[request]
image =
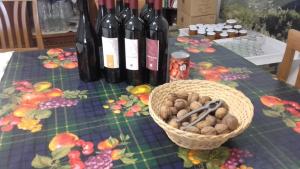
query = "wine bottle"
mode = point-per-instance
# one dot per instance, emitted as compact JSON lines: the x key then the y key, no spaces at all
{"x":123,"y":17}
{"x":135,"y":47}
{"x":102,"y":11}
{"x":119,"y":7}
{"x":87,"y":46}
{"x":144,"y":9}
{"x":157,"y":47}
{"x":113,"y":58}
{"x":149,"y":13}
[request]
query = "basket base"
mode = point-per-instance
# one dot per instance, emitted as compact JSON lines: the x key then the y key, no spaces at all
{"x":201,"y":145}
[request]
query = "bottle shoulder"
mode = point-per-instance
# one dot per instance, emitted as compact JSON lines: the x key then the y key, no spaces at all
{"x":110,"y":21}
{"x":149,"y":13}
{"x":159,"y":23}
{"x":135,"y":21}
{"x":124,"y":13}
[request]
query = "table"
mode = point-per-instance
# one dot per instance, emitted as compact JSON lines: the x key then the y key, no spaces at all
{"x":258,"y":49}
{"x":261,"y":50}
{"x":5,"y":57}
{"x":52,"y":105}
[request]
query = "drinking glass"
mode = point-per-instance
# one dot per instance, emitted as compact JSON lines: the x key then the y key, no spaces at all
{"x":44,"y":11}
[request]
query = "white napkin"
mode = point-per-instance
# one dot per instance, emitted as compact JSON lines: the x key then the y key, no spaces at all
{"x":4,"y":57}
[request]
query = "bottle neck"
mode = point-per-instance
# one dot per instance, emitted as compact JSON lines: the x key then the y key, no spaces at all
{"x":101,"y":6}
{"x":111,"y":11}
{"x":102,"y":11}
{"x":84,"y":12}
{"x":151,"y":5}
{"x":83,"y":8}
{"x":119,"y":3}
{"x":134,"y":12}
{"x":157,"y":12}
{"x":126,"y":5}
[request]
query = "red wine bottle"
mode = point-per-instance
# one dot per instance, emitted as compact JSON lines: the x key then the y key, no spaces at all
{"x":119,"y":6}
{"x":157,"y":47}
{"x":135,"y":47}
{"x":113,"y":59}
{"x":144,"y":9}
{"x":123,"y":17}
{"x":102,"y":11}
{"x":149,"y":13}
{"x":87,"y":46}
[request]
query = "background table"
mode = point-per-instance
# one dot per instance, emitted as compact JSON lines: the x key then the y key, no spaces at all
{"x":5,"y":57}
{"x":269,"y":142}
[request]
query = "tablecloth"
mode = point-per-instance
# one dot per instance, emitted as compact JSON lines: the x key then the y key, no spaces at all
{"x":46,"y":111}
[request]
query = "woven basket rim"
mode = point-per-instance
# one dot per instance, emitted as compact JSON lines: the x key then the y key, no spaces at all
{"x":195,"y":136}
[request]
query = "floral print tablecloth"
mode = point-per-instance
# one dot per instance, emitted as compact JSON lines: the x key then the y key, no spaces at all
{"x":50,"y":119}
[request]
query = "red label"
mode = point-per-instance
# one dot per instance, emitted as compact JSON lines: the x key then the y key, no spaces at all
{"x":152,"y":54}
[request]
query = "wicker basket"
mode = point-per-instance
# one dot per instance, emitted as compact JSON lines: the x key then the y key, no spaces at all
{"x":239,"y":106}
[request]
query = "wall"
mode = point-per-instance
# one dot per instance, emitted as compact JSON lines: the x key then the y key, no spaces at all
{"x":272,"y":17}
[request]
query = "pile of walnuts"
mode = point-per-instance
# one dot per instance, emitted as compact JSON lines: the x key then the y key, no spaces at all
{"x":179,"y":104}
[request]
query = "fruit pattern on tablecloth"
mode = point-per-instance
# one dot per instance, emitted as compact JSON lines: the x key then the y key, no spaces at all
{"x":133,"y":104}
{"x":222,"y":74}
{"x":25,"y":104}
{"x":195,"y":45}
{"x":288,"y":111}
{"x":69,"y":151}
{"x":220,"y":158}
{"x":57,"y":57}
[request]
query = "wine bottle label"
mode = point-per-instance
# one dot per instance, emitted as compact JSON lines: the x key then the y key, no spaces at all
{"x":152,"y":53}
{"x":110,"y":52}
{"x":131,"y":52}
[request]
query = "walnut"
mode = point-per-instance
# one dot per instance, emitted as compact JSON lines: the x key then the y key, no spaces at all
{"x":169,"y":103}
{"x":181,"y":113}
{"x":174,"y":110}
{"x":212,"y":120}
{"x":192,"y":129}
{"x":180,"y":104}
{"x":221,"y":128}
{"x":226,"y":131}
{"x":165,"y":112}
{"x":188,"y":109}
{"x":185,"y":124}
{"x":231,"y":122}
{"x":172,"y":97}
{"x":202,"y":124}
{"x":193,"y":117}
{"x":205,"y":99}
{"x":193,"y":97}
{"x":208,"y":131}
{"x":195,"y":105}
{"x":182,"y":95}
{"x":220,"y":113}
{"x":219,"y":121}
{"x":173,"y":122}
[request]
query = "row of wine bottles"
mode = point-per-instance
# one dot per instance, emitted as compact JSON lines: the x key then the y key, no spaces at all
{"x":127,"y":46}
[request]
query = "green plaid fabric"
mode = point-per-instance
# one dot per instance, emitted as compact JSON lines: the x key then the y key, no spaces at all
{"x":273,"y":144}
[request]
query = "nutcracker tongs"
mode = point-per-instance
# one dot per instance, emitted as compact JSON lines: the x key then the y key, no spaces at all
{"x":206,"y":110}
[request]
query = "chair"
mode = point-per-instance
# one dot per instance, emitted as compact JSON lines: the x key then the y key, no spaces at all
{"x":15,"y":26}
{"x":293,"y":45}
